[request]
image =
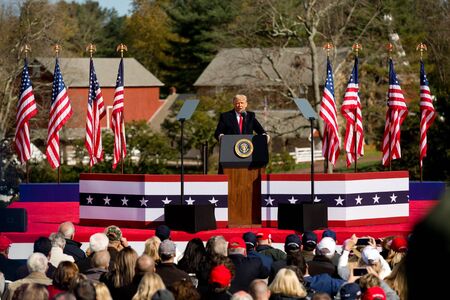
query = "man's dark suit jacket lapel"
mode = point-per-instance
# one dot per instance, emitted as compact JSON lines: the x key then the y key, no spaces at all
{"x":235,"y":122}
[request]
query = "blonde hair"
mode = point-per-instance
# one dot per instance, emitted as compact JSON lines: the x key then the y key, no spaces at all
{"x":287,"y":283}
{"x":240,"y":97}
{"x":397,"y":279}
{"x":150,"y":283}
{"x":123,"y":269}
{"x":394,"y":257}
{"x":151,"y":248}
{"x":102,"y":291}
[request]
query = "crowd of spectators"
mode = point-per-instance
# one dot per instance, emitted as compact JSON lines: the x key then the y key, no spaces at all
{"x":242,"y":267}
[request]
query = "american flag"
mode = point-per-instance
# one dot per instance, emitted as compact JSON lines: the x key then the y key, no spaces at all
{"x":26,"y":109}
{"x":95,"y":112}
{"x":60,"y":112}
{"x":351,"y":107}
{"x":330,"y":143}
{"x":427,"y":111}
{"x":395,"y":115}
{"x":117,"y":123}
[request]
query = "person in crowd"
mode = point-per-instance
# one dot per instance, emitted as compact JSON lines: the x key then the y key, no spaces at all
{"x":163,"y":232}
{"x":397,"y":279}
{"x":163,"y":294}
{"x":31,"y":291}
{"x":37,"y":264}
{"x":84,"y":289}
{"x":251,"y":242}
{"x":241,"y":295}
{"x":193,"y":257}
{"x":101,"y":291}
{"x":372,"y":279}
{"x":150,"y":283}
{"x":292,"y":244}
{"x":216,"y":254}
{"x":321,"y":262}
{"x":332,"y":234}
{"x":265,"y":247}
{"x":57,"y":252}
{"x":62,"y":279}
{"x":259,"y":290}
{"x":100,"y":265}
{"x":398,"y":250}
{"x":116,"y":241}
{"x":41,"y":245}
{"x":65,"y":296}
{"x":321,"y":296}
{"x":7,"y":266}
{"x":184,"y":290}
{"x":97,"y":242}
{"x":350,"y":291}
{"x":219,"y":283}
{"x":369,"y":257}
{"x":246,"y":269}
{"x":309,"y":242}
{"x":151,"y":248}
{"x":374,"y":293}
{"x":144,"y":264}
{"x":167,"y":269}
{"x":119,"y":279}
{"x":286,"y":285}
{"x":72,"y":248}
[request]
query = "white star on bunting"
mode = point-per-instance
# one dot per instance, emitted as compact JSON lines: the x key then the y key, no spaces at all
{"x":316,"y":199}
{"x":358,"y":200}
{"x":376,"y":199}
{"x":213,"y":201}
{"x":393,"y":198}
{"x":166,"y":201}
{"x":89,"y":199}
{"x":106,"y":200}
{"x":269,"y":201}
{"x":143,"y":202}
{"x":190,"y":201}
{"x":124,"y":201}
{"x":339,"y":201}
{"x":292,"y":200}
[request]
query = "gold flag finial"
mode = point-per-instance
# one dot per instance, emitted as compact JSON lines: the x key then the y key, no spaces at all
{"x":328,"y":47}
{"x":121,"y":48}
{"x":389,"y":48}
{"x":25,"y":49}
{"x":421,"y":47}
{"x":57,"y":48}
{"x":91,"y":49}
{"x":356,"y":48}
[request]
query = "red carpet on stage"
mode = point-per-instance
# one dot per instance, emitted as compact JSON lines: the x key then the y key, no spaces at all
{"x":45,"y":217}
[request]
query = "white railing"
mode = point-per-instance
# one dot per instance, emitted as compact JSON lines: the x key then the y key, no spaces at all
{"x":304,"y":155}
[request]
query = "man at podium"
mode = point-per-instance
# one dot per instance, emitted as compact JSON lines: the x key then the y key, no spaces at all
{"x":238,"y":120}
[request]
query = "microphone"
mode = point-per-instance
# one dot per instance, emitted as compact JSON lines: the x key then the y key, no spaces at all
{"x":244,"y":114}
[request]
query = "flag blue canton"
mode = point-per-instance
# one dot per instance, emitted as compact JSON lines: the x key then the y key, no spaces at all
{"x":26,"y":81}
{"x":329,"y":81}
{"x":423,"y":76}
{"x":93,"y":84}
{"x":119,"y":81}
{"x":354,"y":75}
{"x":58,"y":83}
{"x":392,"y":75}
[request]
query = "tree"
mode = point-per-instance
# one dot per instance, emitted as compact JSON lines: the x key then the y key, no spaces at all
{"x":200,"y":25}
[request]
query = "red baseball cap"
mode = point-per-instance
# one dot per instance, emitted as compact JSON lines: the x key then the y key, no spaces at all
{"x":5,"y":242}
{"x":220,"y":275}
{"x":399,"y":244}
{"x":374,"y":293}
{"x":236,"y":242}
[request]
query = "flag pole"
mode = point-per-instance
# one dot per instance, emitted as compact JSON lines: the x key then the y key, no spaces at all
{"x":91,"y":50}
{"x":421,"y":47}
{"x":327,"y":47}
{"x":389,"y":48}
{"x":57,"y":48}
{"x":25,"y":49}
{"x":356,"y":47}
{"x":121,"y":48}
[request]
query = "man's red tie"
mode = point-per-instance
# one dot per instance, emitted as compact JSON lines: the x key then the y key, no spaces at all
{"x":240,"y":123}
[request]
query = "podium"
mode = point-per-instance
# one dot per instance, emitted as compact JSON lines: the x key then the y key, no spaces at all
{"x":243,"y":158}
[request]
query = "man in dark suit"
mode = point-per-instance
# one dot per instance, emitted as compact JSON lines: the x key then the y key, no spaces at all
{"x":238,"y":120}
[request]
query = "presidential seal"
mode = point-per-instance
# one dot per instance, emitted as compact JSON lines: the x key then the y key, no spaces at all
{"x":243,"y":148}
